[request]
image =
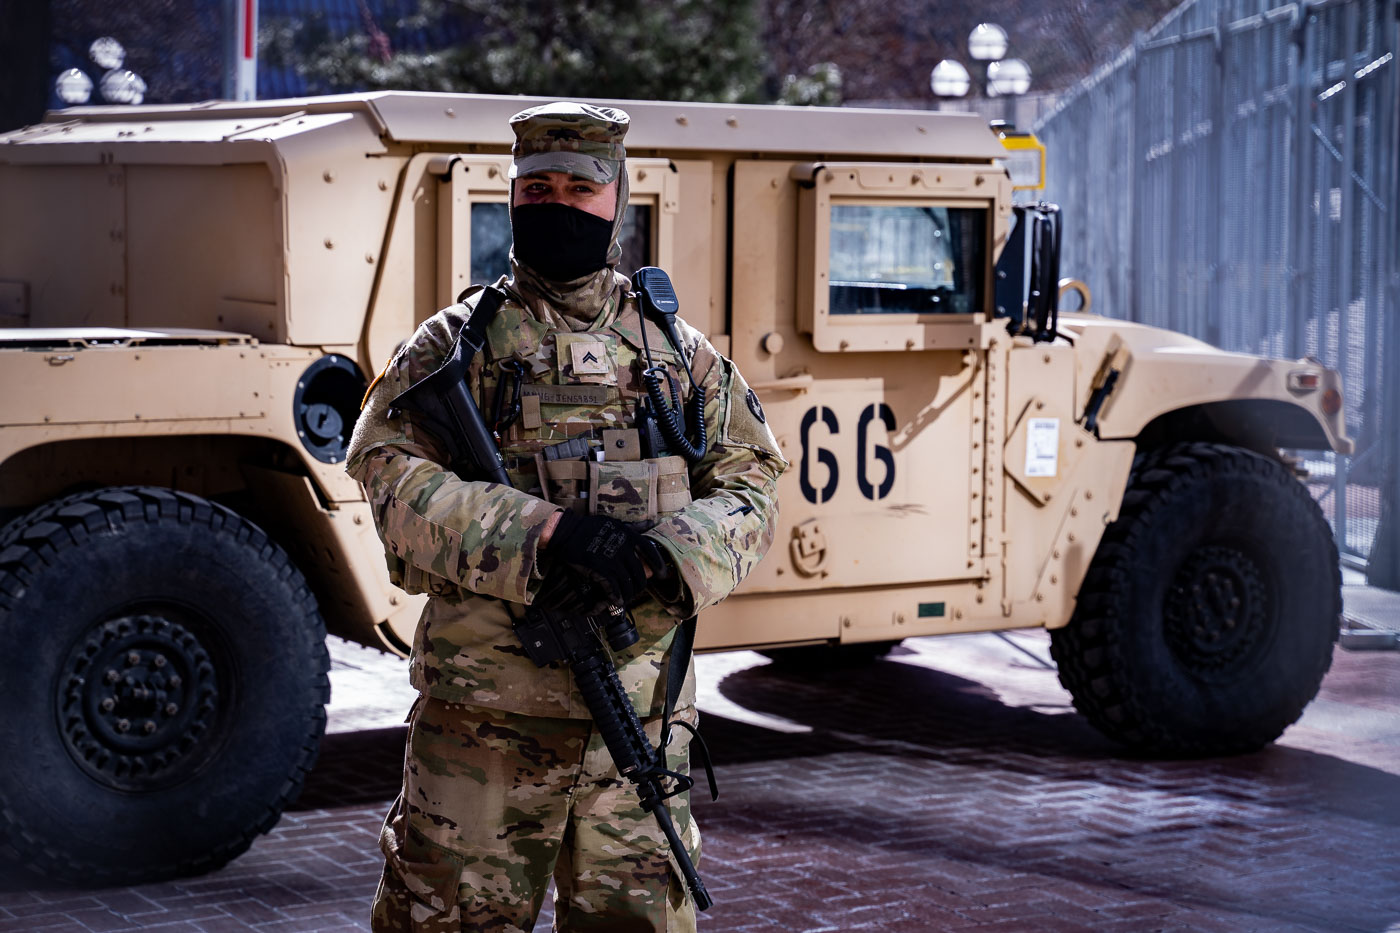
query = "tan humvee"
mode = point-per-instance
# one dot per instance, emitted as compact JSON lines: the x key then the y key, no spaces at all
{"x":196,"y":295}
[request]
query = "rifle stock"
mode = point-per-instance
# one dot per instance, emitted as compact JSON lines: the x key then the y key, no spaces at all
{"x":445,"y":405}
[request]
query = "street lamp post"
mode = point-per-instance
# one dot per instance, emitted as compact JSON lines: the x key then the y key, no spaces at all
{"x":950,"y":79}
{"x":987,"y":42}
{"x":1003,"y":77}
{"x":117,"y":85}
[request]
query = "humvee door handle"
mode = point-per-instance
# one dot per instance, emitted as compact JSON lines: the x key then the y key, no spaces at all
{"x":800,"y":383}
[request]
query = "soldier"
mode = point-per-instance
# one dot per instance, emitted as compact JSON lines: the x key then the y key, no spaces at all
{"x":505,"y":781}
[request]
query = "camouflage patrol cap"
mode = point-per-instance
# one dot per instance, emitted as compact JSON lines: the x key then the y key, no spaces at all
{"x":579,"y":139}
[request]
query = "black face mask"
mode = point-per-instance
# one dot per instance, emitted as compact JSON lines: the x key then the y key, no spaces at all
{"x":560,"y":242}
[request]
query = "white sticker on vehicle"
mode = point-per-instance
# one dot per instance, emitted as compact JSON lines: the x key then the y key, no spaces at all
{"x":1042,"y":447}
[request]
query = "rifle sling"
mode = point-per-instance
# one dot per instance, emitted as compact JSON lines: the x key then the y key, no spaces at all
{"x":474,"y":331}
{"x":682,"y":649}
{"x":683,"y":645}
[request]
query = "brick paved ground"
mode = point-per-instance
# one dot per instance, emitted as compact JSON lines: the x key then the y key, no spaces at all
{"x":948,"y":788}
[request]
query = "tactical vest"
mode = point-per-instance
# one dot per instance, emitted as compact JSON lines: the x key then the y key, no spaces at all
{"x":571,"y":399}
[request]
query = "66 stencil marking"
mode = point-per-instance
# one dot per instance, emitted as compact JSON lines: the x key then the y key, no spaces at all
{"x":825,"y":458}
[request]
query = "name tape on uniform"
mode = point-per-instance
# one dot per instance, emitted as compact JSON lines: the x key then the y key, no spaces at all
{"x":567,"y":395}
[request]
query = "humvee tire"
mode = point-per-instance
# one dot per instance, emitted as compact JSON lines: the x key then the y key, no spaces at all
{"x":1208,"y":616}
{"x":164,"y":681}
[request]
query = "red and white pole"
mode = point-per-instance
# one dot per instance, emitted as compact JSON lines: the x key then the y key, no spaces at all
{"x":245,"y":71}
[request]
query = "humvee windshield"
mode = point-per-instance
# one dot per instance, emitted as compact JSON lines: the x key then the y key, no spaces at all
{"x":491,"y":240}
{"x":901,"y":259}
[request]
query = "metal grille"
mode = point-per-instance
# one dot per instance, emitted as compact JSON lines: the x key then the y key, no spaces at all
{"x":1233,"y":176}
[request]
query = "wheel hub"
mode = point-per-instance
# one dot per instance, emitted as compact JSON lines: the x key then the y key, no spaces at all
{"x":1217,"y":612}
{"x":136,"y":699}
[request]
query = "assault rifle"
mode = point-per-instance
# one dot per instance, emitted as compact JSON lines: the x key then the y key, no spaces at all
{"x":444,"y":404}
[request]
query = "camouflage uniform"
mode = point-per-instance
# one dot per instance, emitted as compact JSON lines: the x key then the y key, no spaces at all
{"x":505,"y":782}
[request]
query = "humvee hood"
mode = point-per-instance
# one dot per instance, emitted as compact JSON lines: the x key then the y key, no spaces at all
{"x":1161,"y":372}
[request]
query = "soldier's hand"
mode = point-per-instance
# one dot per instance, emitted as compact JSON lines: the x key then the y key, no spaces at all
{"x":604,"y":550}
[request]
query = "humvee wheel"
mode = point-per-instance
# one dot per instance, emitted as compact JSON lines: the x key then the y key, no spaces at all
{"x":163,"y":680}
{"x":1207,"y":618}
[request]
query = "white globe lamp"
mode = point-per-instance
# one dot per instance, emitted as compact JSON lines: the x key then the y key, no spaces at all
{"x":74,"y":87}
{"x":987,"y":42}
{"x":950,"y":79}
{"x":122,"y":86}
{"x":107,"y":53}
{"x":1010,"y":77}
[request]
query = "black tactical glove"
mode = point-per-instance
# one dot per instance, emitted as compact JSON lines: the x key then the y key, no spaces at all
{"x":604,"y":550}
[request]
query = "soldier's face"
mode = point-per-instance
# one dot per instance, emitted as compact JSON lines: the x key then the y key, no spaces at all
{"x":559,"y":188}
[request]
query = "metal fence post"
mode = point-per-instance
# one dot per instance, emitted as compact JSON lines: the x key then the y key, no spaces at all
{"x":1136,"y":202}
{"x":1300,"y":187}
{"x":1391,"y":401}
{"x":1216,"y":173}
{"x":1383,"y":567}
{"x":1343,"y":268}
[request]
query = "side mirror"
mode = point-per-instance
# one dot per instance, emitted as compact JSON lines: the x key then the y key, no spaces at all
{"x":1028,"y":273}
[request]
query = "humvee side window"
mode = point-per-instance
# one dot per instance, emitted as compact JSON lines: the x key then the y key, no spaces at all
{"x":491,"y":240}
{"x":896,"y":256}
{"x":636,"y":239}
{"x":906,"y":259}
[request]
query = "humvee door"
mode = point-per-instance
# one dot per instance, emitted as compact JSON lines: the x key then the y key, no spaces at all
{"x":866,"y":289}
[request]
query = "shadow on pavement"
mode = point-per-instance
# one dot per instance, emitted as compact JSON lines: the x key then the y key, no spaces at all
{"x":355,"y":768}
{"x":914,"y":712}
{"x":936,"y":774}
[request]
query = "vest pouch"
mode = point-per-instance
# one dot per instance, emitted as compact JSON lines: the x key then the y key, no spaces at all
{"x":672,"y":484}
{"x":638,"y":490}
{"x":623,"y":489}
{"x":565,"y":482}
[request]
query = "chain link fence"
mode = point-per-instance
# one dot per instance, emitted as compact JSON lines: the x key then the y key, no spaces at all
{"x":1235,"y":175}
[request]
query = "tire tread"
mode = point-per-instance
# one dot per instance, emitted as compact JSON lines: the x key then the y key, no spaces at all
{"x":66,"y":522}
{"x":1089,"y":652}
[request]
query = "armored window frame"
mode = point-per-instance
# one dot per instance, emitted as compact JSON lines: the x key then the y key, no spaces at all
{"x":824,"y":185}
{"x":465,"y":180}
{"x":637,"y":209}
